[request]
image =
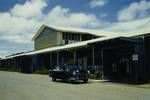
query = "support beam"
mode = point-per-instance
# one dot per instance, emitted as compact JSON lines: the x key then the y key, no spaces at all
{"x":93,"y":56}
{"x":74,"y":56}
{"x":57,"y":58}
{"x":50,"y":58}
{"x":102,"y":57}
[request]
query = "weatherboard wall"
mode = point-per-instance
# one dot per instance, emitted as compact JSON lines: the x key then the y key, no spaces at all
{"x":46,"y":40}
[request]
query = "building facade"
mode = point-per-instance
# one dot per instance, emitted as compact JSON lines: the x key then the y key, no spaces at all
{"x":123,"y":57}
{"x":50,"y":36}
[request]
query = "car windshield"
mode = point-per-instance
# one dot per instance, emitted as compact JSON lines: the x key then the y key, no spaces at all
{"x":73,"y":67}
{"x":68,"y":67}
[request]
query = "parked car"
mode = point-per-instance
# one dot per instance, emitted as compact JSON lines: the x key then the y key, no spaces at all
{"x":69,"y":73}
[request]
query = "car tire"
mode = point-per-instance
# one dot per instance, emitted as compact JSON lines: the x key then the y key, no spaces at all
{"x":53,"y":79}
{"x":85,"y":80}
{"x":70,"y":81}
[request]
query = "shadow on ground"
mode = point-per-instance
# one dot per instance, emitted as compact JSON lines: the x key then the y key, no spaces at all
{"x":127,"y":83}
{"x":73,"y":82}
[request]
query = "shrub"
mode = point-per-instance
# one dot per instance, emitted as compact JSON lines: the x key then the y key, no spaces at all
{"x":8,"y":68}
{"x":96,"y":75}
{"x":18,"y":70}
{"x":43,"y":71}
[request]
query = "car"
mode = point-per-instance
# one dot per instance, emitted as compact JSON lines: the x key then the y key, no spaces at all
{"x":69,"y":73}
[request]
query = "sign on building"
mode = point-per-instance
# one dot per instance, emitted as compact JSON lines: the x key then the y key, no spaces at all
{"x":135,"y":57}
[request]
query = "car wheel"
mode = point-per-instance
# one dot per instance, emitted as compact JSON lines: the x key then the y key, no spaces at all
{"x":53,"y":79}
{"x":85,"y":80}
{"x":70,"y":81}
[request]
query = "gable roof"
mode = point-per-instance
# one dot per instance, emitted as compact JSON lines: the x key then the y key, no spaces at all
{"x":100,"y":33}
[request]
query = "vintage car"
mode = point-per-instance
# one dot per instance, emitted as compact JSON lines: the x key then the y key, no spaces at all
{"x":69,"y":73}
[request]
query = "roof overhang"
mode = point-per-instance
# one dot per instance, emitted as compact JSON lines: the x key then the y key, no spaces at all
{"x":116,"y":40}
{"x":78,"y":45}
{"x":99,"y":33}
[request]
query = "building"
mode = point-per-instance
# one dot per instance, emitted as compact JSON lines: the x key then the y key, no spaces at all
{"x":57,"y":36}
{"x":118,"y":56}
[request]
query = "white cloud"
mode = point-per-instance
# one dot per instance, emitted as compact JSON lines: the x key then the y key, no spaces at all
{"x":129,"y":26}
{"x":23,"y":20}
{"x":97,"y":3}
{"x":17,"y":38}
{"x":64,"y":17}
{"x":20,"y":23}
{"x":135,"y":11}
{"x":29,"y":9}
{"x":16,"y":29}
{"x":12,"y":24}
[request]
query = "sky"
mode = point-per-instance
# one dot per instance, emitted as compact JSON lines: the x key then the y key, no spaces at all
{"x":20,"y":19}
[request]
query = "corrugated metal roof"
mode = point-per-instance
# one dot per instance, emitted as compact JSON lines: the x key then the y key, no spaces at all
{"x":137,"y":32}
{"x":57,"y":48}
{"x":68,"y":46}
{"x":84,"y":43}
{"x":76,"y":30}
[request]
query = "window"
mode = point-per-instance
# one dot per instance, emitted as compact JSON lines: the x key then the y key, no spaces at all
{"x":78,"y":37}
{"x":71,"y":36}
{"x":64,"y":36}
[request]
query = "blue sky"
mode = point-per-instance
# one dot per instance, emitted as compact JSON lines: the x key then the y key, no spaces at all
{"x":20,"y":19}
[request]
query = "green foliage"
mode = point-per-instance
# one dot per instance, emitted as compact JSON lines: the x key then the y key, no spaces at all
{"x":8,"y":68}
{"x":18,"y":70}
{"x":96,"y":75}
{"x":43,"y":71}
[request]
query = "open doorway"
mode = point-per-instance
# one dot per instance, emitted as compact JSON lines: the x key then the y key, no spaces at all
{"x":117,"y":63}
{"x":147,"y":55}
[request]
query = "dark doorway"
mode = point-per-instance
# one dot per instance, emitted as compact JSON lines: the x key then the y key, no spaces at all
{"x":117,"y":62}
{"x":147,"y":55}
